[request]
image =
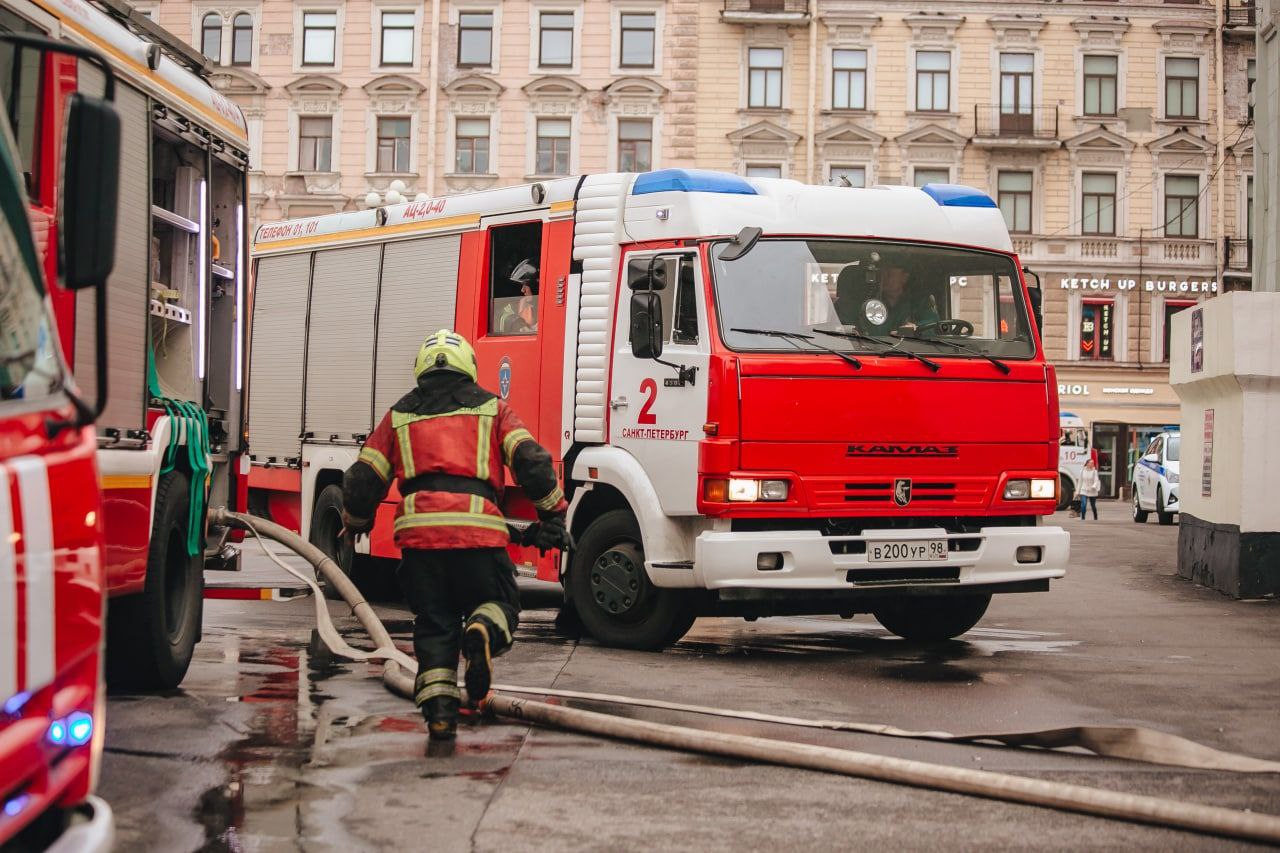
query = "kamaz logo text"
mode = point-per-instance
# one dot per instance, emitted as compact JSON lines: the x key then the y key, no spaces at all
{"x":894,"y":450}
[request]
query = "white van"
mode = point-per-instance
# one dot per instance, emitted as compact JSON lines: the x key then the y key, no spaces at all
{"x":1155,"y":479}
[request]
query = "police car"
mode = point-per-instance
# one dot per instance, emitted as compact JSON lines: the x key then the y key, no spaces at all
{"x":1155,"y":479}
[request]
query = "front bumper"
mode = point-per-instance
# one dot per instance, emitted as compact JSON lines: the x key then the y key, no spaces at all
{"x":811,"y":561}
{"x":92,"y":829}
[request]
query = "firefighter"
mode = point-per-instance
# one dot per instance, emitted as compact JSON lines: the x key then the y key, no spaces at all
{"x":444,"y":444}
{"x":521,"y":317}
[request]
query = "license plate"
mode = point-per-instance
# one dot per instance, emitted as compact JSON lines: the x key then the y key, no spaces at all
{"x":905,"y":551}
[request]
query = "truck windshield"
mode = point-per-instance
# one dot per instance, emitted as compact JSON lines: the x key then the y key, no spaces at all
{"x":875,"y":288}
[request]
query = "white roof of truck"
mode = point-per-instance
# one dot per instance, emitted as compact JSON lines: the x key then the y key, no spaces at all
{"x":686,"y":203}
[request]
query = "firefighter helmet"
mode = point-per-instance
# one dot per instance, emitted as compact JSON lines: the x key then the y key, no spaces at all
{"x":446,"y":350}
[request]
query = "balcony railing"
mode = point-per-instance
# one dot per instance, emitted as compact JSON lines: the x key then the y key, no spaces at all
{"x":1237,"y":254}
{"x":1122,"y":254}
{"x":789,"y":8}
{"x":1003,"y":122}
{"x":1244,"y":15}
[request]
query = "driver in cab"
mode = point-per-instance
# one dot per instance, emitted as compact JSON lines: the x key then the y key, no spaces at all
{"x":897,"y":306}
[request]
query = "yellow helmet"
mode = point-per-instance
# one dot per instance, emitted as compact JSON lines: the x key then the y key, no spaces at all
{"x":446,"y":350}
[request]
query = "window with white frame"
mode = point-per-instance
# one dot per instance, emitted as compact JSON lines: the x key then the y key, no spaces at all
{"x":763,"y":170}
{"x":315,"y":144}
{"x":764,"y":77}
{"x":242,"y":39}
{"x":555,"y":39}
{"x":1181,"y":205}
{"x":475,"y":39}
{"x":1181,"y":87}
{"x":637,"y":40}
{"x":847,"y":176}
{"x":933,"y":81}
{"x":211,"y":37}
{"x":635,"y":145}
{"x":398,"y":31}
{"x":319,"y":38}
{"x":1098,"y":203}
{"x":920,"y":176}
{"x":1013,"y":192}
{"x":471,"y":146}
{"x":848,"y":79}
{"x":1101,"y":84}
{"x":393,"y":143}
{"x":554,"y":138}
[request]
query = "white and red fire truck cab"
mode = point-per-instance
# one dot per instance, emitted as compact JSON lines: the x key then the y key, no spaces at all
{"x":766,"y":397}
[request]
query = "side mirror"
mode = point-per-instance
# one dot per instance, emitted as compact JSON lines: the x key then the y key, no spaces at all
{"x":646,"y":324}
{"x":90,"y":189}
{"x":651,"y":277}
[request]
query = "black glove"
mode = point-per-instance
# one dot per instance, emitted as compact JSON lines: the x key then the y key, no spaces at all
{"x":551,"y":534}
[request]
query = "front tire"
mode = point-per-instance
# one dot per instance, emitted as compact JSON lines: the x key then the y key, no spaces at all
{"x":326,"y":524}
{"x":1066,"y":492}
{"x":1165,"y":518}
{"x":152,"y":635}
{"x":931,"y":620}
{"x":1139,"y":514}
{"x":612,"y":594}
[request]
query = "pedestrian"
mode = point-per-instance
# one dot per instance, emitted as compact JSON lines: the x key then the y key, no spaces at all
{"x":1090,"y":486}
{"x":444,"y":444}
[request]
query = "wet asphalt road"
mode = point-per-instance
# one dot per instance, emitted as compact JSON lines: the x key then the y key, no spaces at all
{"x":271,"y":746}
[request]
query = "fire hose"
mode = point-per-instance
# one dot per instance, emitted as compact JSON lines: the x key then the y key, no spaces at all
{"x":1141,"y":744}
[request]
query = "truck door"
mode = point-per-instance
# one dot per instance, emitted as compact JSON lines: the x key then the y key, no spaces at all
{"x":658,"y":406}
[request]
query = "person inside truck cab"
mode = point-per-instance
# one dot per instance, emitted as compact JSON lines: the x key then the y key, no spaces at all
{"x":521,"y":316}
{"x":895,"y":304}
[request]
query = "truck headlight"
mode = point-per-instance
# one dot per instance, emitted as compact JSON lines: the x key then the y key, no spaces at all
{"x":745,"y":491}
{"x":1035,"y":489}
{"x":1044,"y":490}
{"x":1017,"y":490}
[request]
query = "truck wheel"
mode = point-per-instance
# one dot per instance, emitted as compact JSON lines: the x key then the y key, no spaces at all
{"x":931,"y":620}
{"x":152,"y":635}
{"x":326,"y":524}
{"x":1066,"y":492}
{"x":1139,"y":514}
{"x":1165,"y":518}
{"x":612,"y":593}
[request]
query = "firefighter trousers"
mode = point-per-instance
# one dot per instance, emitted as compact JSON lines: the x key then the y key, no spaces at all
{"x":448,"y":589}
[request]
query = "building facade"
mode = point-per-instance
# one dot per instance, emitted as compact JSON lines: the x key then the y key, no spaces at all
{"x":345,"y":98}
{"x":1115,"y":137}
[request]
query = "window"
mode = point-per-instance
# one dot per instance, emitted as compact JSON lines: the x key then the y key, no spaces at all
{"x":1181,"y":206}
{"x":555,"y":39}
{"x":475,"y":38}
{"x":30,"y":370}
{"x":211,"y":36}
{"x":1016,"y":75}
{"x":315,"y":144}
{"x":848,"y":79}
{"x":1170,"y":308}
{"x":637,"y":39}
{"x":1181,"y":88}
{"x":393,"y":144}
{"x":931,"y":176}
{"x":679,"y":302}
{"x":1250,"y":77}
{"x":1101,"y":74}
{"x":1014,"y":192}
{"x":1097,"y":328}
{"x":514,"y":258}
{"x":933,"y":81}
{"x":20,"y":73}
{"x":1098,"y":203}
{"x":847,"y":176}
{"x":635,"y":145}
{"x":398,"y":30}
{"x":319,"y":38}
{"x":764,"y":78}
{"x":554,"y":136}
{"x":242,"y":39}
{"x":763,"y":170}
{"x":472,"y":147}
{"x":1248,"y":208}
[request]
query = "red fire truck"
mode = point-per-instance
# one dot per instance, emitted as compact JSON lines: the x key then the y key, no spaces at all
{"x":52,"y":583}
{"x":765,"y":398}
{"x":171,"y":435}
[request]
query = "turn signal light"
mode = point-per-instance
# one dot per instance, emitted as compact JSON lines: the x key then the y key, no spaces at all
{"x":715,"y":491}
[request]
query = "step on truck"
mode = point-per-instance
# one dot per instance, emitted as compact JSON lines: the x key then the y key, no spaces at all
{"x":52,"y":580}
{"x":764,"y":398}
{"x":171,"y":437}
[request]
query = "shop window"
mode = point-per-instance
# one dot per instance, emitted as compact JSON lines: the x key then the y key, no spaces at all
{"x":555,"y":40}
{"x":933,"y":81}
{"x":848,"y":79}
{"x":637,"y":41}
{"x":764,"y":78}
{"x":475,"y":39}
{"x":1170,"y":308}
{"x":315,"y":144}
{"x":242,"y":39}
{"x":1014,"y":192}
{"x":920,"y":177}
{"x":472,"y":146}
{"x":1181,"y":206}
{"x":319,"y":38}
{"x":211,"y":36}
{"x":554,"y":138}
{"x":515,"y":256}
{"x":1101,"y":79}
{"x":1098,"y":203}
{"x":1097,"y":330}
{"x":635,"y":145}
{"x":847,"y":176}
{"x":1181,"y":88}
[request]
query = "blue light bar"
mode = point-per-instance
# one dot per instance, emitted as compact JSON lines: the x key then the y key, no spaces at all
{"x":691,"y":181}
{"x":955,"y":195}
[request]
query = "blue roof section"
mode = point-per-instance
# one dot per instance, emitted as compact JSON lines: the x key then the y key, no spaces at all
{"x":955,"y":195}
{"x":690,"y":181}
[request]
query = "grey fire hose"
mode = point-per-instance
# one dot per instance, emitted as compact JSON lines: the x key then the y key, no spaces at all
{"x":1142,"y":744}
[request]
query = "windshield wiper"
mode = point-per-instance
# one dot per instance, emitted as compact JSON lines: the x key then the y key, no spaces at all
{"x":792,"y":337}
{"x":893,"y":350}
{"x":1004,"y":368}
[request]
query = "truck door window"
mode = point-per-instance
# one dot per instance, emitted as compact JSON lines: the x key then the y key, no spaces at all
{"x":29,"y":368}
{"x":20,"y":93}
{"x":515,"y":259}
{"x":684,"y":325}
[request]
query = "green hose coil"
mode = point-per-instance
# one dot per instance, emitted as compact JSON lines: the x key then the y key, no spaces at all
{"x":189,"y":420}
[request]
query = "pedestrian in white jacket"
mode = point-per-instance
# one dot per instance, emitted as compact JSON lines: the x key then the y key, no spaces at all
{"x":1090,"y":486}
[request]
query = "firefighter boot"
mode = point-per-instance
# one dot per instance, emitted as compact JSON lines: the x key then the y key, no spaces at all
{"x":475,"y":648}
{"x":441,"y":713}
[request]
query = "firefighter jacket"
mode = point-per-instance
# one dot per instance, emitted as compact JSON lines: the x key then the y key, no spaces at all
{"x":444,"y":444}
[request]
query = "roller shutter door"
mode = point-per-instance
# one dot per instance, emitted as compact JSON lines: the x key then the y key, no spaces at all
{"x":276,"y":356}
{"x":127,"y":287}
{"x":419,"y":296}
{"x":339,"y":391}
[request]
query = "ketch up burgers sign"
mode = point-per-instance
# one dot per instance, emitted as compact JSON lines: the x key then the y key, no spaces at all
{"x":1151,"y":285}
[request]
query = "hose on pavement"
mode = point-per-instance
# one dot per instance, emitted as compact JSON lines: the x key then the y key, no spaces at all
{"x":398,"y":675}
